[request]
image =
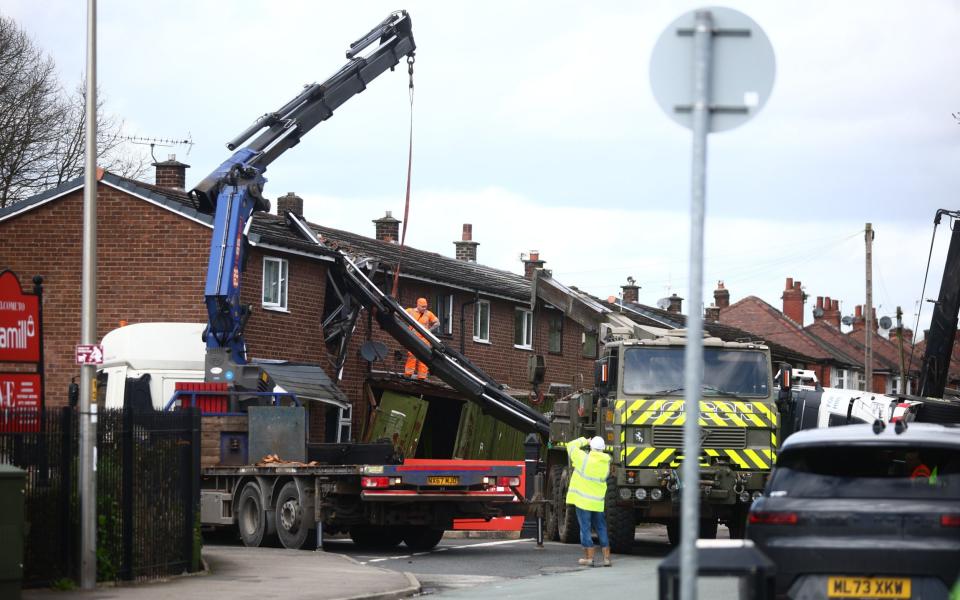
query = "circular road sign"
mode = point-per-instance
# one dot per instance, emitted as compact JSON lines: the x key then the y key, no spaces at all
{"x":742,"y":69}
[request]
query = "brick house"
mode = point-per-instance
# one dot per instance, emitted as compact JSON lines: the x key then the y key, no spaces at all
{"x":838,"y":357}
{"x":153,"y":244}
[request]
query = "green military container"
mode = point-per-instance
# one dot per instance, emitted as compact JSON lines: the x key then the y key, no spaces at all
{"x":11,"y":531}
{"x":482,"y":437}
{"x":398,"y":418}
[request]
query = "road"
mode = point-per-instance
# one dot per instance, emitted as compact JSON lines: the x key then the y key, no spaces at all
{"x":476,"y":568}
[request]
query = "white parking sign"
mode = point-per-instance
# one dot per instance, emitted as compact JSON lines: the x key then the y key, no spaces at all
{"x":89,"y":354}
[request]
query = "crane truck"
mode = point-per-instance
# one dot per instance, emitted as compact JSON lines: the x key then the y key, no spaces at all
{"x":382,"y":500}
{"x":637,"y":406}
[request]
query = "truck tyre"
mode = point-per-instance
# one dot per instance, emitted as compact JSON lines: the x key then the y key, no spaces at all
{"x":376,"y":538}
{"x":621,"y":521}
{"x":550,"y":508}
{"x":421,"y":539}
{"x":251,"y":518}
{"x":708,"y":530}
{"x":293,"y":526}
{"x":568,"y":529}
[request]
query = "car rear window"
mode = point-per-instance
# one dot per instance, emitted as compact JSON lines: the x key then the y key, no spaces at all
{"x":870,"y":472}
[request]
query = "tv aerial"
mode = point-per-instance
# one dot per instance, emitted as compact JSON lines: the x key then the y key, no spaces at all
{"x":663,"y":303}
{"x":162,"y":142}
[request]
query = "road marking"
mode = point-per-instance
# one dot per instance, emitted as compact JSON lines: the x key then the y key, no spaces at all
{"x":444,"y":549}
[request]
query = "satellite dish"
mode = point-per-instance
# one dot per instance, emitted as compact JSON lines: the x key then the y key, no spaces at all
{"x":885,"y":323}
{"x":373,"y":351}
{"x":817,"y":312}
{"x":847,"y":320}
{"x":663,"y":303}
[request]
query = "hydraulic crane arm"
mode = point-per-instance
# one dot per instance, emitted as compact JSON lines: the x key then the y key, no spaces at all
{"x":943,"y":322}
{"x":233,"y":192}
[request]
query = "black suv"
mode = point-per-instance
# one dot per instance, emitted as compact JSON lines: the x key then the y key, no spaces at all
{"x":864,"y":511}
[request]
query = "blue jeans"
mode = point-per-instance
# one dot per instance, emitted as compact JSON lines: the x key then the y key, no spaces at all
{"x":589,"y":519}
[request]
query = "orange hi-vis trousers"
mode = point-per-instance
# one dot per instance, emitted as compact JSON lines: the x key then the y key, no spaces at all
{"x":427,"y":319}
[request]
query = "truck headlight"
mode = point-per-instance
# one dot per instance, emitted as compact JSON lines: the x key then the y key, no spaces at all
{"x":625,"y":493}
{"x":756,"y":496}
{"x":656,"y":494}
{"x":641,"y":494}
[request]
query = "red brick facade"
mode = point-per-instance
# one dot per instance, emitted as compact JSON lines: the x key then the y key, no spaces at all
{"x":152,"y":266}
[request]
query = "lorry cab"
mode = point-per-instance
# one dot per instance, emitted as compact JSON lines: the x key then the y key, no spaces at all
{"x":147,"y":349}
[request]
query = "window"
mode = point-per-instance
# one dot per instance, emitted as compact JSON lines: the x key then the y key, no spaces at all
{"x":481,"y":322}
{"x":523,"y":329}
{"x":443,"y":308}
{"x":589,"y":345}
{"x":346,"y":421}
{"x":556,"y":333}
{"x":849,"y":379}
{"x":840,"y":378}
{"x":861,"y":380}
{"x":274,"y":283}
{"x":656,"y":371}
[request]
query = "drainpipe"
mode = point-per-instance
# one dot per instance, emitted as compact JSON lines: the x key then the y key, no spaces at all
{"x":463,"y":320}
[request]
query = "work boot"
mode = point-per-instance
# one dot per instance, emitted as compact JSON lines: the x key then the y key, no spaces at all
{"x":606,"y":556}
{"x":587,"y":560}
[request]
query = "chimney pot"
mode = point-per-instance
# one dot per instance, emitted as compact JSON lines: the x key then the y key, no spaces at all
{"x":820,"y":302}
{"x":789,"y":283}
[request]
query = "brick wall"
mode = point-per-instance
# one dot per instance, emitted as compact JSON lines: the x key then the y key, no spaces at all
{"x":152,"y":267}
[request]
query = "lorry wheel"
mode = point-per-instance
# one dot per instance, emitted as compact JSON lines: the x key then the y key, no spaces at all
{"x":376,"y":538}
{"x":293,"y":526}
{"x":708,"y":530}
{"x":621,"y":521}
{"x":568,"y":529}
{"x":421,"y":539}
{"x":550,"y":508}
{"x":251,"y":518}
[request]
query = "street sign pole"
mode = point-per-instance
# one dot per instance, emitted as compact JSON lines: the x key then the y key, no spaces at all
{"x":88,"y":326}
{"x":690,"y":496}
{"x":711,"y":70}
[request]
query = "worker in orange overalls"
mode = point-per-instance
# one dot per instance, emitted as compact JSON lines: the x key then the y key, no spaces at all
{"x":430,"y":321}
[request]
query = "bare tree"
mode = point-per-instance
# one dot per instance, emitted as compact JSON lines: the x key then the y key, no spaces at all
{"x":42,"y":129}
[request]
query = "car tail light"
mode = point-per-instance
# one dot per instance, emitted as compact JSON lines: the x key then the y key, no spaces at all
{"x":374,"y":482}
{"x":950,"y":520}
{"x":773,"y":518}
{"x":508,"y":481}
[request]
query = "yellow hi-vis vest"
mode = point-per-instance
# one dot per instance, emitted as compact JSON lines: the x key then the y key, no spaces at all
{"x":588,"y":485}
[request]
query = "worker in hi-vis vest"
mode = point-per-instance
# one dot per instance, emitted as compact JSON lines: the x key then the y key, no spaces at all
{"x":588,"y":487}
{"x":422,"y":315}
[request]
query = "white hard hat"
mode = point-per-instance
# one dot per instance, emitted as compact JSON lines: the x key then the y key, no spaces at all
{"x":597,"y":443}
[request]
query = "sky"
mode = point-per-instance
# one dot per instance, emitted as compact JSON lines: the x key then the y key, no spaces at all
{"x":536,"y":123}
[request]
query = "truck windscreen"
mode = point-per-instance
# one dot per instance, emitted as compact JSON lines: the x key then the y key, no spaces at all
{"x":654,"y":371}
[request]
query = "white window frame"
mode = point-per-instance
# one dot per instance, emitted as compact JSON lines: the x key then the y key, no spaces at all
{"x":478,"y":336}
{"x":345,"y":426}
{"x":839,"y":378}
{"x":527,"y":327}
{"x":283,"y":271}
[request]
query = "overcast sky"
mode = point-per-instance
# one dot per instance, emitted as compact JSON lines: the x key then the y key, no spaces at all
{"x":535,"y":122}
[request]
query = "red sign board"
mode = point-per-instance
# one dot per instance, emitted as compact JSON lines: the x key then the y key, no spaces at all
{"x":89,"y":354}
{"x":20,"y":402}
{"x":19,"y":322}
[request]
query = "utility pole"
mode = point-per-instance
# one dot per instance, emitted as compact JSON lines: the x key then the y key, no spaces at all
{"x":903,"y":389}
{"x":868,"y":332}
{"x":88,"y":322}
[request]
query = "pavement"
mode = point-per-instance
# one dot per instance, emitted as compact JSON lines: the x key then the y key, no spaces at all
{"x":239,"y":573}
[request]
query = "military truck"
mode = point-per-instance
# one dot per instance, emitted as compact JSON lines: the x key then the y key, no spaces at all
{"x":637,"y":406}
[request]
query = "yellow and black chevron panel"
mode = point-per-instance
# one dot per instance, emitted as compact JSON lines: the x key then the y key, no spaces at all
{"x":748,"y":459}
{"x":720,"y":413}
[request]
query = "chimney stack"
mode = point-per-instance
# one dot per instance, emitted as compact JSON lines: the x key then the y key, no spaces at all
{"x":171,"y":173}
{"x":388,"y":228}
{"x":466,"y":247}
{"x":859,"y":322}
{"x":907,"y":336}
{"x":793,"y":299}
{"x":532,"y":263}
{"x":676,"y":303}
{"x":631,"y":291}
{"x":711,"y":314}
{"x":291,"y":203}
{"x":721,"y":296}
